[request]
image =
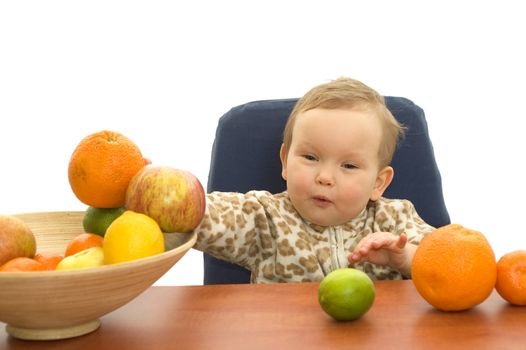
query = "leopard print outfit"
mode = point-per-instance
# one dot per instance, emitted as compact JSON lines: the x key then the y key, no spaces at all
{"x":265,"y":234}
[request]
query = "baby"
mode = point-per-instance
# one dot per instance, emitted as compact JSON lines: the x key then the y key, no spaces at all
{"x":337,"y":147}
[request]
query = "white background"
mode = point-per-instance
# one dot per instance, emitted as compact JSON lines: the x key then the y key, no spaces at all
{"x":163,"y":72}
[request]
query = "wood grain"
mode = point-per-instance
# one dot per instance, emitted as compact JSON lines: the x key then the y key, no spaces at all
{"x":287,"y":316}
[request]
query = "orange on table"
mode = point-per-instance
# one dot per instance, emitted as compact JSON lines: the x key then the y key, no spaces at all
{"x":511,"y":277}
{"x":22,"y":264}
{"x":49,"y":260}
{"x":454,"y":268}
{"x":101,"y":167}
{"x":82,"y":242}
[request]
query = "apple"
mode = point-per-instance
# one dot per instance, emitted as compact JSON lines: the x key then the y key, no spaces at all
{"x":16,"y":239}
{"x":90,"y":257}
{"x":172,"y":197}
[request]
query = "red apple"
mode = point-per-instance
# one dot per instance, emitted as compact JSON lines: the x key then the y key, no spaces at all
{"x":172,"y":197}
{"x":16,"y":239}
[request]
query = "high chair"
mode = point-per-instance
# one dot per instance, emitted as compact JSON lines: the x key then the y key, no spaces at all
{"x":245,"y":156}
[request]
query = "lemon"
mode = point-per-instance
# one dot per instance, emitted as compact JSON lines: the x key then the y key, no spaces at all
{"x":346,"y":294}
{"x":97,"y":220}
{"x":132,"y":236}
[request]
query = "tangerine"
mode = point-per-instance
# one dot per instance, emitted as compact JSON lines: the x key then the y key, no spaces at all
{"x":49,"y":260}
{"x":101,"y":167}
{"x":83,"y":242}
{"x":511,"y":277}
{"x":22,"y":264}
{"x":454,"y":268}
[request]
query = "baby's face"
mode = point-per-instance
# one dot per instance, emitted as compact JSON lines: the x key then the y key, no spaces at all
{"x":332,"y":165}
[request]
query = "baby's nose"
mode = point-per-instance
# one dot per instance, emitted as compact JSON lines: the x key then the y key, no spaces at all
{"x":325,"y":178}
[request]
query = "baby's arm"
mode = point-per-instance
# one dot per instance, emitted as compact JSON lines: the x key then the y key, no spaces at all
{"x":232,"y":227}
{"x":384,"y":248}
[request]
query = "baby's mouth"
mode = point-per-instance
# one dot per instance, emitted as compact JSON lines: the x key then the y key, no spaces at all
{"x":322,"y":200}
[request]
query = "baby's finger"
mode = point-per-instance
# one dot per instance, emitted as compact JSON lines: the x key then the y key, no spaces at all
{"x":353,"y":258}
{"x":363,"y":252}
{"x":358,"y":255}
{"x":363,"y":244}
{"x":382,"y":241}
{"x":370,"y":241}
{"x":379,"y":243}
{"x":402,"y":240}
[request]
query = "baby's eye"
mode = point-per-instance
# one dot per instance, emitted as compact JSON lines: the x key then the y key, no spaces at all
{"x":349,"y":166}
{"x":309,"y":157}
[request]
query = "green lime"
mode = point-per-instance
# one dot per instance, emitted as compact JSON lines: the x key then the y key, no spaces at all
{"x":97,"y":220}
{"x":346,"y":294}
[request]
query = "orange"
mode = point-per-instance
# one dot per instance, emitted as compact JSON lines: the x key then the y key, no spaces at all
{"x":22,"y":264}
{"x":82,"y":242}
{"x":132,"y":236}
{"x":49,"y":260}
{"x":101,"y":167}
{"x":511,"y":277}
{"x":454,"y":268}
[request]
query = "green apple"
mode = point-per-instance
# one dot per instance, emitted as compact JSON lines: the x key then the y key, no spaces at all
{"x":90,"y":257}
{"x":16,"y":239}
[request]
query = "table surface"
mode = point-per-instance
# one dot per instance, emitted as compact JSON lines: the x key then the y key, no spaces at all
{"x":288,"y":316}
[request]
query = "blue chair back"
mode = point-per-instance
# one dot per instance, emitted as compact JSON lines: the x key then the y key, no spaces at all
{"x":245,"y":156}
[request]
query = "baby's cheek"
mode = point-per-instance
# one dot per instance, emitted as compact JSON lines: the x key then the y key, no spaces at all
{"x":297,"y":181}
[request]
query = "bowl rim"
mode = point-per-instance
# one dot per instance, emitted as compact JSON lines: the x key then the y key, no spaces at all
{"x":187,"y":245}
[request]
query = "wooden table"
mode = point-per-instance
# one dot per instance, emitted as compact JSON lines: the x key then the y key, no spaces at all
{"x":287,"y":316}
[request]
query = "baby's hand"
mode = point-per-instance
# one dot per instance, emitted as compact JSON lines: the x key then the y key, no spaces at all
{"x":384,"y":248}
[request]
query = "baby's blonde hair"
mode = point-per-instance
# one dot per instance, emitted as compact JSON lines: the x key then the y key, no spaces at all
{"x":351,"y":94}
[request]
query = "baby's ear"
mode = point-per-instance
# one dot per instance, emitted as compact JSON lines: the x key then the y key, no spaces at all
{"x":383,"y":180}
{"x":283,"y":157}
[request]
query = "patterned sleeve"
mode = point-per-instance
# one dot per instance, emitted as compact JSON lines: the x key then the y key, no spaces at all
{"x":230,"y":229}
{"x":412,"y":224}
{"x":396,"y":216}
{"x":400,"y":216}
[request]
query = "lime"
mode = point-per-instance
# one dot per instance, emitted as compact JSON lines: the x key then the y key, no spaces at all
{"x":346,"y":294}
{"x":97,"y":220}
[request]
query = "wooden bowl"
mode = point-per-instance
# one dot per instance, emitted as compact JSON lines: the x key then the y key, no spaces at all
{"x":47,"y":305}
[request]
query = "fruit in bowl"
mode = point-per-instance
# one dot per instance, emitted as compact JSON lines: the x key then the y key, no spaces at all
{"x":67,"y":303}
{"x":172,"y":197}
{"x":91,"y":257}
{"x":132,"y":236}
{"x":17,"y":239}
